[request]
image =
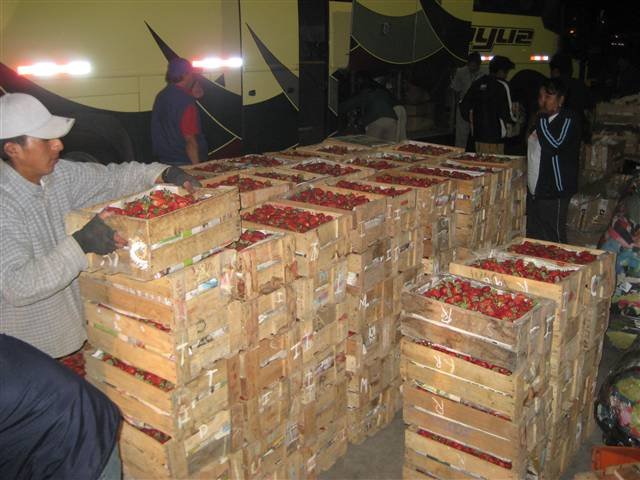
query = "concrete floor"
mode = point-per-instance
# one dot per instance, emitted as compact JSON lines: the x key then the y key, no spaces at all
{"x":381,"y":456}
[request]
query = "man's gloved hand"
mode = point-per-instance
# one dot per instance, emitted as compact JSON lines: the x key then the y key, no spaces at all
{"x":177,"y":176}
{"x":98,"y":237}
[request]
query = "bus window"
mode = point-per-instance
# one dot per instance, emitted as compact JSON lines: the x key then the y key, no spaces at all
{"x":510,"y":7}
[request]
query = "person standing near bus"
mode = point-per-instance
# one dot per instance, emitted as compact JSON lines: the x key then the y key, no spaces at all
{"x":176,"y":132}
{"x":460,"y":84}
{"x":487,"y":105}
{"x":552,"y":164}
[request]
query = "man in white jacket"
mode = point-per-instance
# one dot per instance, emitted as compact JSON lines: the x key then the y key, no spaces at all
{"x":39,"y":294}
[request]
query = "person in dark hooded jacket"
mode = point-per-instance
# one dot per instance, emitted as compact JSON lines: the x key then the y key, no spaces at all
{"x":552,"y":161}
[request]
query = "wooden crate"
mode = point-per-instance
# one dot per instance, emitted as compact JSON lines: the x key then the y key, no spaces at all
{"x":345,"y":172}
{"x":264,"y":316}
{"x":371,"y":267}
{"x":322,"y":373}
{"x":431,"y":202}
{"x":401,"y":212}
{"x":373,"y":161}
{"x":451,"y":462}
{"x":166,"y":242}
{"x":567,"y":293}
{"x":271,"y":188}
{"x":257,"y":160}
{"x":315,"y":249}
{"x":216,"y":167}
{"x":195,"y":457}
{"x":178,"y":411}
{"x":472,"y":193}
{"x":176,"y":356}
{"x":334,"y":151}
{"x":332,"y":444}
{"x":422,"y":149}
{"x":298,"y":177}
{"x":364,"y":347}
{"x":261,"y":458}
{"x":179,"y":300}
{"x":377,"y":414}
{"x":505,"y":344}
{"x":600,"y":279}
{"x":439,"y":235}
{"x":265,"y":265}
{"x":326,"y":287}
{"x":495,"y":178}
{"x":254,"y":370}
{"x":408,"y":249}
{"x":506,"y":396}
{"x":515,"y":166}
{"x":365,"y":306}
{"x":367,"y":221}
{"x":253,"y":418}
{"x":498,"y":437}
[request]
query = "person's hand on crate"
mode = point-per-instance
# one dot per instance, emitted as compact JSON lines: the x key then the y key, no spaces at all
{"x":98,"y":237}
{"x":177,"y":176}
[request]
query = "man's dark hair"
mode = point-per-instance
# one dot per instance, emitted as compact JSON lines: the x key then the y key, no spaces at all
{"x":562,"y":62}
{"x":500,"y":63}
{"x":474,"y":58}
{"x":555,"y":86}
{"x":20,"y":140}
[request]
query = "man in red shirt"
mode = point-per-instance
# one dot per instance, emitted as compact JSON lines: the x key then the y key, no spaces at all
{"x":176,"y":133}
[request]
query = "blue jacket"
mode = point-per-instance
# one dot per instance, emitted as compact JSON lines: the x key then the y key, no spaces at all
{"x":169,"y":145}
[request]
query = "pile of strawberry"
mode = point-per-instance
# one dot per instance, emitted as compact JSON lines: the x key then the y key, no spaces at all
{"x":282,"y":176}
{"x":438,"y":172}
{"x":484,"y":299}
{"x":464,"y":448}
{"x":140,"y":374}
{"x":157,"y":203}
{"x":324,"y":168}
{"x":411,"y":181}
{"x":424,"y":149}
{"x":288,"y":218}
{"x":553,"y":252}
{"x":520,"y":268}
{"x":75,"y":362}
{"x":216,"y":168}
{"x":248,"y":238}
{"x":244,"y":184}
{"x":157,"y":435}
{"x":327,"y":198}
{"x":338,"y":150}
{"x":465,"y":357}
{"x":389,"y":192}
{"x":261,"y":160}
{"x":375,"y":164}
{"x":481,"y":157}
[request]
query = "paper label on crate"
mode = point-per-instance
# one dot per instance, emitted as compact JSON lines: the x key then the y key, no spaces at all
{"x":372,"y":334}
{"x":352,"y":279}
{"x":186,"y":234}
{"x":374,"y":222}
{"x":341,"y":283}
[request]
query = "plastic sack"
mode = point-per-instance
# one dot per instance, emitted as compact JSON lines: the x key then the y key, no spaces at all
{"x":617,"y":407}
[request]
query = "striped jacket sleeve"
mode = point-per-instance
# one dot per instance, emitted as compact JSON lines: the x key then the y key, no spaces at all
{"x":566,"y":135}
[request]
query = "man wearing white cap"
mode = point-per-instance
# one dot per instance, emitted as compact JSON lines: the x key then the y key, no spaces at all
{"x":39,"y":295}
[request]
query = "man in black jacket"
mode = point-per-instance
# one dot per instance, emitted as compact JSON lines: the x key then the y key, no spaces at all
{"x":487,"y":106}
{"x":552,"y":161}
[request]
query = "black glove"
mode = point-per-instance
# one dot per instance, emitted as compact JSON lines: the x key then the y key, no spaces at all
{"x":177,"y":176}
{"x":96,"y":237}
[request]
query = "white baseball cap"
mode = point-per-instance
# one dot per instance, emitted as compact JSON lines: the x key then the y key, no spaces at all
{"x":22,"y":114}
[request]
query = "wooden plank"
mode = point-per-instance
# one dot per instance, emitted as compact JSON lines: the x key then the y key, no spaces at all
{"x":272,"y":188}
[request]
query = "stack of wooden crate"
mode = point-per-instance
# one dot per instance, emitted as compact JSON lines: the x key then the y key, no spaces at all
{"x":159,"y":348}
{"x":311,"y":388}
{"x":582,"y":298}
{"x":260,"y":387}
{"x":475,"y":387}
{"x":508,"y":216}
